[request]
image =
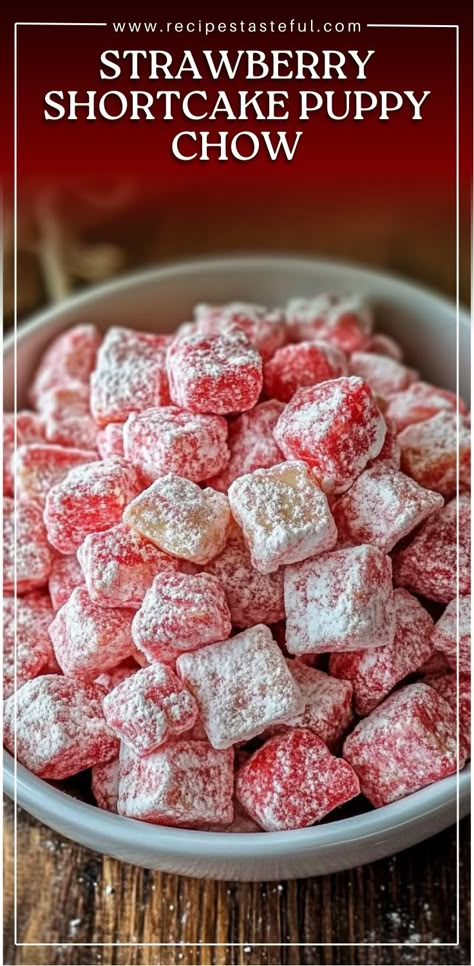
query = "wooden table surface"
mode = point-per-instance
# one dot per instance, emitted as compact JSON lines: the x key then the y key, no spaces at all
{"x":67,"y":895}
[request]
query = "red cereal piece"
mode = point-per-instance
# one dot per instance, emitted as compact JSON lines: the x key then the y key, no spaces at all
{"x":253,"y":598}
{"x":346,"y":321}
{"x":264,"y":328}
{"x":184,"y":783}
{"x":68,"y":421}
{"x":384,"y":345}
{"x":299,"y":365}
{"x":391,"y":453}
{"x":445,"y":634}
{"x":171,"y":440}
{"x":104,"y":784}
{"x":294,"y":781}
{"x":374,"y":673}
{"x":242,"y":685}
{"x":427,"y":565}
{"x":181,"y":519}
{"x":65,"y":576}
{"x":39,"y":466}
{"x":89,"y":639}
{"x":284,"y":515}
{"x":340,"y":601}
{"x":119,"y":566}
{"x":335,"y":427}
{"x":219,"y":374}
{"x":419,"y":402}
{"x":33,"y":553}
{"x":383,"y":374}
{"x":408,"y":742}
{"x":91,"y":498}
{"x":110,"y":440}
{"x":69,"y":358}
{"x":34,"y":652}
{"x":60,"y":727}
{"x":150,"y":707}
{"x":252,"y":444}
{"x":130,"y":375}
{"x":381,"y":507}
{"x":429,"y":453}
{"x":446,"y":686}
{"x":29,"y":429}
{"x":327,"y":704}
{"x":180,"y":612}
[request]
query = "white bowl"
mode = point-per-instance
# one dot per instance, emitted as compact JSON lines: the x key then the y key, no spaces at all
{"x":158,"y":300}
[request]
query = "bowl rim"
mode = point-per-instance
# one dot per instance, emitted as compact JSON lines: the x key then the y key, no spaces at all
{"x":36,"y":795}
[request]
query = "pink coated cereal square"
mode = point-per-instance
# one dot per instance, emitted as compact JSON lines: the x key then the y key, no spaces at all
{"x":382,"y":507}
{"x":34,"y":652}
{"x":446,"y":685}
{"x":429,"y":452}
{"x":340,"y":601}
{"x":23,"y":527}
{"x":251,"y":443}
{"x":445,"y":634}
{"x":91,"y":498}
{"x":383,"y":374}
{"x":375,"y":672}
{"x":104,"y":784}
{"x":60,"y":727}
{"x":242,"y":685}
{"x":284,"y":515}
{"x":344,"y":320}
{"x":419,"y":402}
{"x":171,"y":440}
{"x":68,"y":421}
{"x":39,"y":466}
{"x":327,"y":704}
{"x":264,"y":328}
{"x":301,"y":364}
{"x":335,"y":427}
{"x":150,"y":707}
{"x":110,"y":440}
{"x":181,"y":612}
{"x":181,"y":519}
{"x":119,"y":566}
{"x":66,"y":574}
{"x":427,"y":564}
{"x":408,"y":742}
{"x":293,"y":781}
{"x":89,"y":639}
{"x":384,"y":345}
{"x":216,"y":374}
{"x":29,"y":429}
{"x":130,"y":375}
{"x":253,"y":597}
{"x":184,"y":783}
{"x":70,"y":358}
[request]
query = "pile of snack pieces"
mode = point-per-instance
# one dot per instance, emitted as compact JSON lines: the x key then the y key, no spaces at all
{"x":220,"y":539}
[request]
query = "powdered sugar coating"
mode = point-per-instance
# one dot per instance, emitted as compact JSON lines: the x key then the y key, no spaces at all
{"x":284,"y":515}
{"x":110,"y":441}
{"x":89,"y":639}
{"x":33,"y":553}
{"x":419,"y":402}
{"x":382,"y":507}
{"x":119,"y":566}
{"x":251,"y":443}
{"x":29,"y":429}
{"x":429,"y":453}
{"x":327,"y":704}
{"x":264,"y":328}
{"x":445,"y":634}
{"x":408,"y":742}
{"x":69,"y":358}
{"x":181,"y":519}
{"x":391,"y":453}
{"x":60,"y":727}
{"x":104,"y":784}
{"x":301,"y":364}
{"x":184,"y":783}
{"x":219,"y":374}
{"x":375,"y":672}
{"x":181,"y":612}
{"x":340,"y":601}
{"x":39,"y":466}
{"x":383,"y":374}
{"x":253,"y":597}
{"x":91,"y":498}
{"x":345,"y":320}
{"x":34,"y":652}
{"x":68,"y":421}
{"x":66,"y":574}
{"x":427,"y":565}
{"x":294,"y":781}
{"x":171,"y":440}
{"x":150,"y":707}
{"x":335,"y":427}
{"x":130,"y":375}
{"x":241,"y":685}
